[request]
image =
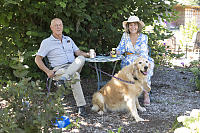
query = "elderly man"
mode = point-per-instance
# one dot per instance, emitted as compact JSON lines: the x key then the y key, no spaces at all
{"x":60,"y":51}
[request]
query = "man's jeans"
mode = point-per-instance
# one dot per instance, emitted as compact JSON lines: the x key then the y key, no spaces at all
{"x":73,"y":69}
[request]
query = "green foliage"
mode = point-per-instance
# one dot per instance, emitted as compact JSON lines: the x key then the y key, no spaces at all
{"x":188,"y":123}
{"x":73,"y":124}
{"x":188,"y":31}
{"x":189,"y":2}
{"x":28,"y":108}
{"x":162,"y":55}
{"x":91,"y":24}
{"x":196,"y":71}
{"x":118,"y":131}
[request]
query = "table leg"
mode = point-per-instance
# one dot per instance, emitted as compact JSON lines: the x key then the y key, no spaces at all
{"x":99,"y":68}
{"x":100,"y":82}
{"x":98,"y":77}
{"x":113,"y":72}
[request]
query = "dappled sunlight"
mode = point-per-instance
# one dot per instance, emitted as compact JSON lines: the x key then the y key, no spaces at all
{"x":117,"y":82}
{"x":75,"y":130}
{"x":185,"y":61}
{"x":108,"y":90}
{"x":78,"y":61}
{"x":128,"y":100}
{"x":84,"y":123}
{"x":125,"y":122}
{"x":98,"y":125}
{"x":125,"y":98}
{"x":67,"y":111}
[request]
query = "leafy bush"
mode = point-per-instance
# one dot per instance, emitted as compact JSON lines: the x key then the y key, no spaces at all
{"x":188,"y":30}
{"x":91,"y":24}
{"x":189,"y":123}
{"x":196,"y":71}
{"x":28,"y":108}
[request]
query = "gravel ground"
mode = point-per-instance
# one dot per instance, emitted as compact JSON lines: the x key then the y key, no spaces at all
{"x":173,"y":93}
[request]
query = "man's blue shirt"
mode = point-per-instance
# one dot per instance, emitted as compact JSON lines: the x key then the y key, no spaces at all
{"x":58,"y":53}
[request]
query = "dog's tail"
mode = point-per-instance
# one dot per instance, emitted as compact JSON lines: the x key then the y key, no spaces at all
{"x":98,"y":102}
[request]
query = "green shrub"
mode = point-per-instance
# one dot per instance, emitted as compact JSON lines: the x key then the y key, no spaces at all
{"x":196,"y":72}
{"x":28,"y":108}
{"x":91,"y":24}
{"x":188,"y":30}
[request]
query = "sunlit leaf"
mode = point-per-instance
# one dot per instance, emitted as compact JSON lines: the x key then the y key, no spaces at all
{"x":20,"y":74}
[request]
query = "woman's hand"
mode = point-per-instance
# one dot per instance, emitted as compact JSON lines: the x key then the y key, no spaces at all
{"x":117,"y":53}
{"x":110,"y":53}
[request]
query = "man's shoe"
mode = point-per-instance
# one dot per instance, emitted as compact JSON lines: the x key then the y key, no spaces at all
{"x":82,"y":111}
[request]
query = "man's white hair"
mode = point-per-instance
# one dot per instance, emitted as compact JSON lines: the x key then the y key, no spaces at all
{"x":53,"y":20}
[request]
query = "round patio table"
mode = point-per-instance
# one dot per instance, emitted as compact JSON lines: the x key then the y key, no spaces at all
{"x":100,"y":59}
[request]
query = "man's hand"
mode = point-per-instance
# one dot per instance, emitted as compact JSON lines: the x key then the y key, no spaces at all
{"x":50,"y":73}
{"x":79,"y":52}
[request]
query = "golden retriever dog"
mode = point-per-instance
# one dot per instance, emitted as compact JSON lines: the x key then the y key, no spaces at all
{"x":119,"y":95}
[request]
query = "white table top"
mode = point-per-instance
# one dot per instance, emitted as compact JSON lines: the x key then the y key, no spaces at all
{"x":104,"y":59}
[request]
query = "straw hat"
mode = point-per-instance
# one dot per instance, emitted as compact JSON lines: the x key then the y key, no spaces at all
{"x":133,"y":19}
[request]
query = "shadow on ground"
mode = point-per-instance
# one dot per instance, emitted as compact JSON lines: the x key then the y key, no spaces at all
{"x":173,"y":93}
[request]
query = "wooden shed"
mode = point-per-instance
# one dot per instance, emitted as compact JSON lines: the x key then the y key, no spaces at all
{"x":186,"y":14}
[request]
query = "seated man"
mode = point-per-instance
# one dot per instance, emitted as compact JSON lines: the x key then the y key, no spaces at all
{"x":60,"y":51}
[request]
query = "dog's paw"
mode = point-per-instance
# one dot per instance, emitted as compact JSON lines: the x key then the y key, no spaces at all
{"x":139,"y":119}
{"x":100,"y":112}
{"x":149,"y":88}
{"x":95,"y":108}
{"x":142,"y":109}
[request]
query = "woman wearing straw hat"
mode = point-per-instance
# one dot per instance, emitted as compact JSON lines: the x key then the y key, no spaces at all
{"x":134,"y":44}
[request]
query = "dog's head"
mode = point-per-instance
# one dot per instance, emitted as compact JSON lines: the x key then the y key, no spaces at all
{"x":142,"y":66}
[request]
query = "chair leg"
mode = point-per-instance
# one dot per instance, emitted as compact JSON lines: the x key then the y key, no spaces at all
{"x":64,"y":85}
{"x":49,"y":81}
{"x":49,"y":84}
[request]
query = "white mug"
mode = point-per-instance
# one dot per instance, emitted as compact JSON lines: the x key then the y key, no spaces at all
{"x":92,"y":53}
